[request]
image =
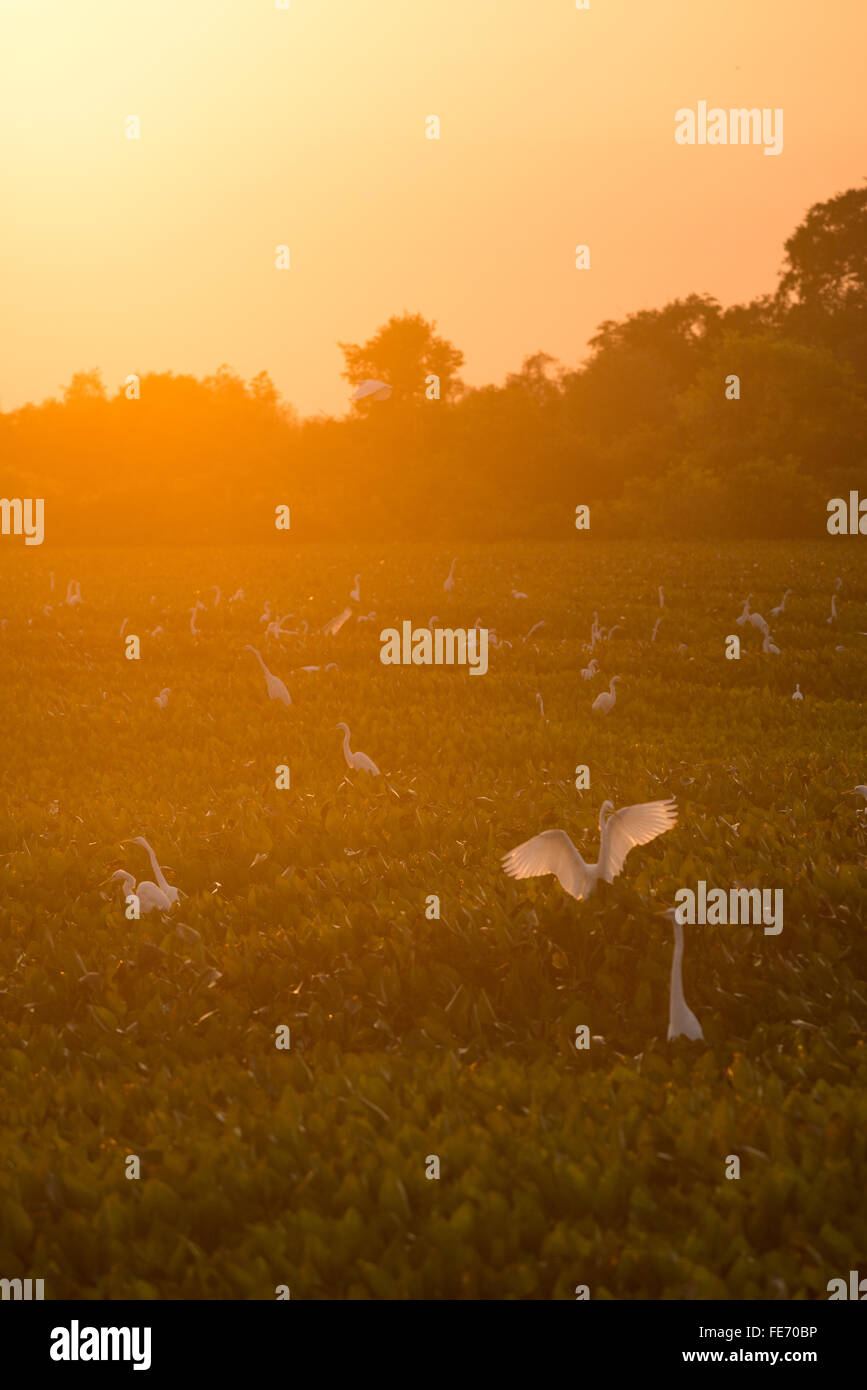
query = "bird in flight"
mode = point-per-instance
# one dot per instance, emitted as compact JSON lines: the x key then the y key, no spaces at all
{"x":552,"y":852}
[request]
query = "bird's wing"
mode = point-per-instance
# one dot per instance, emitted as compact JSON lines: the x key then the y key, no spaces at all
{"x":634,"y":825}
{"x":552,"y":852}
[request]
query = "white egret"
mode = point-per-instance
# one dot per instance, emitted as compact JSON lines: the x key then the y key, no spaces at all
{"x":661,"y":597}
{"x":355,"y":594}
{"x":237,"y":595}
{"x":366,"y":617}
{"x":682,"y":1022}
{"x":552,"y":852}
{"x":590,"y":670}
{"x":606,"y":699}
{"x":833,"y":617}
{"x":170,"y":892}
{"x":839,"y":585}
{"x":276,"y":688}
{"x":150,"y":897}
{"x":517,"y":594}
{"x":797,"y":693}
{"x":655,"y":629}
{"x":359,"y":762}
{"x":746,"y":611}
{"x":376,"y":390}
{"x":73,"y":592}
{"x":334,"y":625}
{"x":781,"y":606}
{"x":611,"y":631}
{"x":860,"y":790}
{"x":450,"y":577}
{"x":541,"y":704}
{"x":193,"y":629}
{"x":163,"y":698}
{"x":768,"y":646}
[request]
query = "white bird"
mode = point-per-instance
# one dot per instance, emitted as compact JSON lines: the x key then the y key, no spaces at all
{"x":746,"y":611}
{"x":768,"y":646}
{"x":517,"y":594}
{"x":833,"y":617}
{"x":781,"y":606}
{"x":366,"y":617}
{"x":163,"y":698}
{"x":334,"y":625}
{"x":73,"y":592}
{"x":193,"y":629}
{"x":661,"y":597}
{"x":238,"y":594}
{"x":450,"y":578}
{"x":541,"y":704}
{"x":170,"y":892}
{"x":359,"y":762}
{"x":534,"y":628}
{"x":355,"y":595}
{"x":612,"y":630}
{"x":377,"y":390}
{"x":606,"y":699}
{"x":218,"y":591}
{"x":150,"y":897}
{"x":590,"y":670}
{"x":839,"y":585}
{"x":655,"y":629}
{"x":552,"y":852}
{"x":276,"y":688}
{"x":682,"y":1022}
{"x":797,"y":693}
{"x":860,"y":790}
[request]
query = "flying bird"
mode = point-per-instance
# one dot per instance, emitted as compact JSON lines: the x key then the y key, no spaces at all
{"x":552,"y":852}
{"x":375,"y":390}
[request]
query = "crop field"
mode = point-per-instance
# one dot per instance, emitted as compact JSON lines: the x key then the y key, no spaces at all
{"x":419,"y":1042}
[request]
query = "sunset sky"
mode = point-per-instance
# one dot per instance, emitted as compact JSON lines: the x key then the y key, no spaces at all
{"x":307,"y":127}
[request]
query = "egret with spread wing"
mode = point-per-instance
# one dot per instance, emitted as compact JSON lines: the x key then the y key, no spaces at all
{"x":553,"y":852}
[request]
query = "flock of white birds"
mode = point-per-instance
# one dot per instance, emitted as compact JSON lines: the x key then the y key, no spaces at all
{"x":552,"y":851}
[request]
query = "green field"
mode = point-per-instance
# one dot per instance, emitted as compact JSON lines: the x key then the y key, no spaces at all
{"x":413,"y":1037}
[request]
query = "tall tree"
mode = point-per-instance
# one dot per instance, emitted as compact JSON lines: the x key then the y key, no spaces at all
{"x":404,"y":353}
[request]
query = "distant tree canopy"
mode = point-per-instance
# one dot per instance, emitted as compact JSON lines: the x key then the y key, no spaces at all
{"x":642,"y":431}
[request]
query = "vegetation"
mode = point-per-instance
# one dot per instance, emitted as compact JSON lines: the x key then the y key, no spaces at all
{"x":642,"y":431}
{"x":413,"y":1037}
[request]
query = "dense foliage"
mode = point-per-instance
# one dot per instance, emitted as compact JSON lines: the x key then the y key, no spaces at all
{"x":412,"y":1037}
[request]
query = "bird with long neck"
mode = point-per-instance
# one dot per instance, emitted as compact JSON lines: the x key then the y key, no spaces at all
{"x":682,"y":1022}
{"x":170,"y":892}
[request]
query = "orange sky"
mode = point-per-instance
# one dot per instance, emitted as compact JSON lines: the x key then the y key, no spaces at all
{"x":306,"y":127}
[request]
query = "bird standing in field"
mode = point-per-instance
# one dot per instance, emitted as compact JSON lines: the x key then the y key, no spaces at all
{"x":682,"y":1022}
{"x":172,"y":894}
{"x":781,"y":606}
{"x":163,"y":698}
{"x":606,"y":699}
{"x":833,"y":617}
{"x":150,"y":897}
{"x":796,"y":695}
{"x":590,"y":669}
{"x":359,"y":762}
{"x":552,"y":852}
{"x":276,"y":688}
{"x":355,"y":593}
{"x":661,"y":597}
{"x":450,"y":577}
